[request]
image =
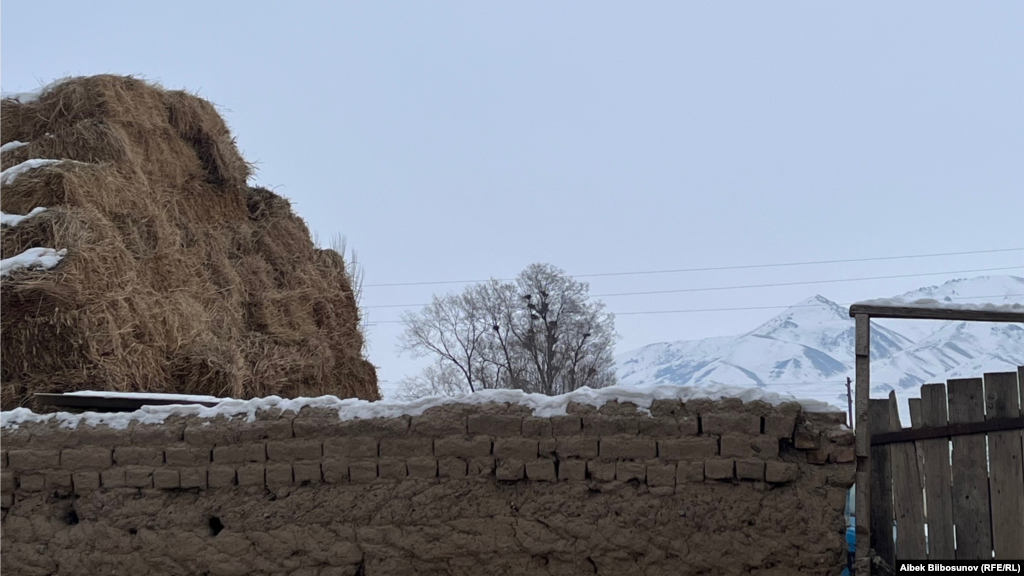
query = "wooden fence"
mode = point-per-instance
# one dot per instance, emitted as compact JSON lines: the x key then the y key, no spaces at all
{"x":951,"y":485}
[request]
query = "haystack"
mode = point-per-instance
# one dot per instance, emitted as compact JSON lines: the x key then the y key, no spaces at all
{"x":178,"y":276}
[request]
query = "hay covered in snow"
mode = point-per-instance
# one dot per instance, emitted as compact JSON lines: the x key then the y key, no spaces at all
{"x":178,"y":276}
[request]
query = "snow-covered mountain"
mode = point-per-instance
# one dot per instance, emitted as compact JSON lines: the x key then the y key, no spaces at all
{"x":807,"y":350}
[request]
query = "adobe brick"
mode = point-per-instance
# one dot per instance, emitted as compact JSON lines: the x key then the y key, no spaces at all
{"x":181,"y":455}
{"x":438,"y":425}
{"x":392,"y":469}
{"x":85,"y":482}
{"x":826,"y":419}
{"x":192,"y":477}
{"x":842,"y":454}
{"x":408,"y":447}
{"x":541,"y":470}
{"x":781,"y":472}
{"x":481,"y":466}
{"x":626,"y":471}
{"x":251,"y":475}
{"x":731,"y":422}
{"x":661,"y":474}
{"x":170,"y":431}
{"x":219,"y":476}
{"x":750,"y":469}
{"x":375,"y":427}
{"x":841,"y":437}
{"x":546,"y":447}
{"x":271,"y":429}
{"x":806,"y":438}
{"x":510,"y":469}
{"x":462,"y":447}
{"x":138,"y":476}
{"x":574,"y":407}
{"x":166,"y":479}
{"x":7,"y":483}
{"x":32,"y":460}
{"x":688,"y":425}
{"x":628,"y":448}
{"x":666,"y":408}
{"x":696,"y":448}
{"x":451,"y":468}
{"x":421,"y":467}
{"x":278,"y":475}
{"x":32,"y":483}
{"x":495,"y":424}
{"x":241,"y":453}
{"x":601,"y":471}
{"x":535,"y":426}
{"x":86,"y":458}
{"x":307,"y":473}
{"x":659,"y":426}
{"x":102,"y":436}
{"x":719,"y":469}
{"x":568,"y":425}
{"x":335,"y":470}
{"x":3,"y":460}
{"x":53,"y":436}
{"x":293,"y":451}
{"x":599,"y":425}
{"x":737,"y":446}
{"x":779,"y":425}
{"x":821,"y":455}
{"x":362,"y":470}
{"x":350,"y":447}
{"x":209,"y":432}
{"x":57,"y":479}
{"x":14,"y":438}
{"x":576,"y":447}
{"x":138,"y":455}
{"x":841,"y":476}
{"x":6,"y":500}
{"x":765,"y":447}
{"x":524,"y":449}
{"x":572,"y":470}
{"x":116,"y":477}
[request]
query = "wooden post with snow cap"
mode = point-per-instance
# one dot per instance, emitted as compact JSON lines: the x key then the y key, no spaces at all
{"x":862,"y":509}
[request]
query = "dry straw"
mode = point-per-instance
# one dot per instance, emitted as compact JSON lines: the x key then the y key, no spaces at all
{"x":179,"y":277}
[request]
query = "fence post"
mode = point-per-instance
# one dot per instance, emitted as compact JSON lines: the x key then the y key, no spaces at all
{"x":862,"y":349}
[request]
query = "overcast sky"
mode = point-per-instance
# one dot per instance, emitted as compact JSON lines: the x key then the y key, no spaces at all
{"x":460,"y":141}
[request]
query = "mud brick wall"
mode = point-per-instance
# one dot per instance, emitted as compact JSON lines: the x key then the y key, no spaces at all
{"x":698,"y":488}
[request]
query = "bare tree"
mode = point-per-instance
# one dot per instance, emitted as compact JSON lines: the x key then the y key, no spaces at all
{"x":450,"y":328}
{"x":540,"y":333}
{"x":441,"y":378}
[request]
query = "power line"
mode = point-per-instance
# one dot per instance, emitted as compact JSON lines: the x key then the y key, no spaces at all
{"x":713,"y":268}
{"x":680,"y":290}
{"x":749,"y":307}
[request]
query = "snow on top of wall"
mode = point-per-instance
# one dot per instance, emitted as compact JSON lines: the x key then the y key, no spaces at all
{"x":353,"y":408}
{"x":943,"y":305}
{"x":37,"y":258}
{"x":15,"y":219}
{"x":13,"y":144}
{"x":7,"y":176}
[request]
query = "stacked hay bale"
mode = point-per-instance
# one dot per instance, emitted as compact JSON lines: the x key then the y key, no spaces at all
{"x":178,"y":277}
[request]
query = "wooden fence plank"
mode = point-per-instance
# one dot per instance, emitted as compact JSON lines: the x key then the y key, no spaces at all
{"x":938,"y":478}
{"x":881,"y":485}
{"x":1006,"y":471}
{"x":915,"y":423}
{"x":970,"y":475}
{"x":908,"y":501}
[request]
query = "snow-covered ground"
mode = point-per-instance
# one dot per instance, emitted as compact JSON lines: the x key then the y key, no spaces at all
{"x":807,"y":350}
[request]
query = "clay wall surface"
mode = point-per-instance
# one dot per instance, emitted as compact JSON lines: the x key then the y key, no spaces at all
{"x":704,"y":487}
